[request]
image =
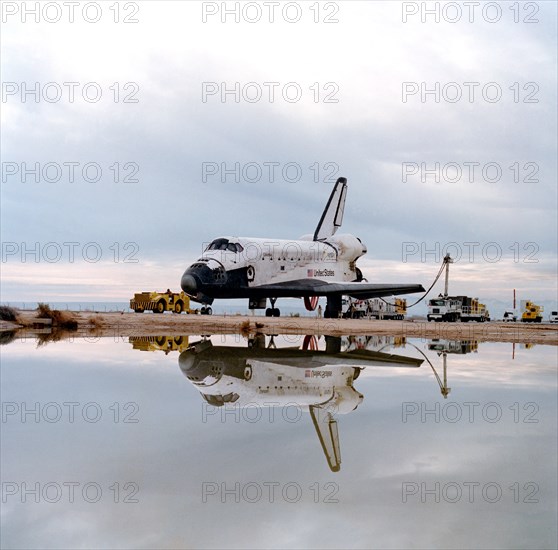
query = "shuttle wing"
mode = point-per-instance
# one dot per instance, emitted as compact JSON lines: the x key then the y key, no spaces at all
{"x":314,"y":287}
{"x":332,"y":216}
{"x":383,"y":359}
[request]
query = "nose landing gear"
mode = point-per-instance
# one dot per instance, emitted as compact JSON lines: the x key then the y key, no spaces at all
{"x":272,"y":311}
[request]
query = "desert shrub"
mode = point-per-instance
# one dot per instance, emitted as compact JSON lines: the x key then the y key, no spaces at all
{"x":6,"y":337}
{"x":245,"y":328}
{"x":8,"y":314}
{"x":44,"y":311}
{"x":60,"y":319}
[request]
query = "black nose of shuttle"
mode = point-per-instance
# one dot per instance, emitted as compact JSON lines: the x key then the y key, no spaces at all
{"x":188,"y":284}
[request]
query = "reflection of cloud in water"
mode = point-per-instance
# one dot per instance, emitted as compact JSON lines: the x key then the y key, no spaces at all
{"x":170,"y":452}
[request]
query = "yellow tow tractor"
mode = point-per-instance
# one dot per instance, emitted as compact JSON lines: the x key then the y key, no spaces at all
{"x":532,"y":313}
{"x":159,"y":302}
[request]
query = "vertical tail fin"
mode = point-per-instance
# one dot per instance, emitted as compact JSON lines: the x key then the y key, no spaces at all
{"x":332,"y":217}
{"x":326,"y":428}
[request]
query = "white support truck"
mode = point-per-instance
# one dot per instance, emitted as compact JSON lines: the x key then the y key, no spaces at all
{"x":375,"y":308}
{"x":457,"y":308}
{"x":509,"y":316}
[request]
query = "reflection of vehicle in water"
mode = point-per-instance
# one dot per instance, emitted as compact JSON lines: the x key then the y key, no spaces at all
{"x":159,"y":343}
{"x":374,"y":342}
{"x":443,"y":347}
{"x":319,"y":382}
{"x":453,"y":346}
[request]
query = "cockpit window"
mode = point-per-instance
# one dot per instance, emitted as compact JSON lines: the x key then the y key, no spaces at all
{"x":224,"y":244}
{"x":218,"y":244}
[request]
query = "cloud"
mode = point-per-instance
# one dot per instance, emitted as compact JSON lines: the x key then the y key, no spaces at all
{"x":164,"y":140}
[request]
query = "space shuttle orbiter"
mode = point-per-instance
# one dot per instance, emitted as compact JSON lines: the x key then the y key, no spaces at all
{"x":320,"y":264}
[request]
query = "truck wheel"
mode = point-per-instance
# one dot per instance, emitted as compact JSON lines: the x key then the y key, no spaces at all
{"x":161,"y":306}
{"x":178,"y":307}
{"x":138,"y":310}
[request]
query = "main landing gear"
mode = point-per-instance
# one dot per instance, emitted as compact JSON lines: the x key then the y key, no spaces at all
{"x":272,"y":311}
{"x":333,"y":307}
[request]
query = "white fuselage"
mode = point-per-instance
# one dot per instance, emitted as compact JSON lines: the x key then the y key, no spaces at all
{"x":274,"y":260}
{"x":275,"y":385}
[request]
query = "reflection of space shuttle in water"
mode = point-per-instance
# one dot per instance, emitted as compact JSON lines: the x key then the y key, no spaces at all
{"x":318,"y":382}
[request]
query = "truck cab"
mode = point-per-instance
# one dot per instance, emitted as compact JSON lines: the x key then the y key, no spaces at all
{"x":509,"y":317}
{"x":444,"y":309}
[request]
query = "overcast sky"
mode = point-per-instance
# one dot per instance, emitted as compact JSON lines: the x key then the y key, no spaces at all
{"x":347,"y":102}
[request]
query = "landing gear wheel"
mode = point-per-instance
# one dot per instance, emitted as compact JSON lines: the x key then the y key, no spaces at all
{"x":203,"y":311}
{"x":272,"y":311}
{"x":208,"y":311}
